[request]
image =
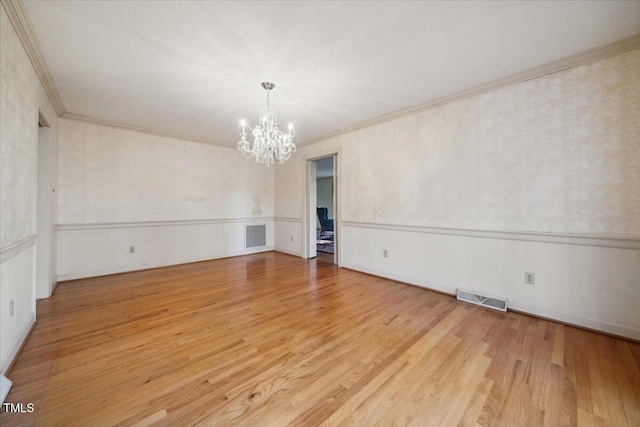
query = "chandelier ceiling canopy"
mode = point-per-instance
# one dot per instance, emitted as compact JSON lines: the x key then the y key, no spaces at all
{"x":270,"y":144}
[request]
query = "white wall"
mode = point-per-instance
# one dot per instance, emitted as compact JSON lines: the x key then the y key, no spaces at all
{"x":19,"y":131}
{"x":45,"y":243}
{"x":289,"y":199}
{"x":17,"y":278}
{"x":288,"y":235}
{"x":551,"y":157}
{"x":98,"y":249}
{"x":22,"y":97}
{"x":175,"y":200}
{"x":584,"y":284}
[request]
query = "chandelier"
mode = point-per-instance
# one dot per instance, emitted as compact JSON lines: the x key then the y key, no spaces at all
{"x":270,"y":144}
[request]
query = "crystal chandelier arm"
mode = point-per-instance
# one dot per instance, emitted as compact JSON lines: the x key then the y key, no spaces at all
{"x":269,"y":142}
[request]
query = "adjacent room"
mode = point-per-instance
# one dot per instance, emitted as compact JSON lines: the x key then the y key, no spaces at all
{"x":319,"y":213}
{"x":325,"y":211}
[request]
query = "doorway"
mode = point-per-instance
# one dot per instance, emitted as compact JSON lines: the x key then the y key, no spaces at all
{"x":45,"y":244}
{"x":322,"y":219}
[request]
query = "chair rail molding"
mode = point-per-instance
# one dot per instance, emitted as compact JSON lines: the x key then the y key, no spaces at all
{"x":13,"y":249}
{"x":621,"y":242}
{"x":285,"y":219}
{"x":137,"y":224}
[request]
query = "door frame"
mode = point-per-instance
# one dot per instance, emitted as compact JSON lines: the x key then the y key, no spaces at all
{"x":310,"y":214}
{"x":312,"y":199}
{"x":44,"y":274}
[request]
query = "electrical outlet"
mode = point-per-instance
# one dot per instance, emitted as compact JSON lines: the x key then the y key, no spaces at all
{"x":132,"y":249}
{"x":292,"y":238}
{"x":529,"y":278}
{"x":385,"y":253}
{"x":11,"y":308}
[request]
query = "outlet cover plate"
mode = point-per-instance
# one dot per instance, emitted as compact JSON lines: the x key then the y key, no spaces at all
{"x":529,"y":278}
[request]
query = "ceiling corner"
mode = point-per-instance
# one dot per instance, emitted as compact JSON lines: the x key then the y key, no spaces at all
{"x":18,"y":15}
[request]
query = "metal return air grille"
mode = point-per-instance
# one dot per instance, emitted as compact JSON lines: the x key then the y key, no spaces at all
{"x":483,"y":300}
{"x":255,"y":236}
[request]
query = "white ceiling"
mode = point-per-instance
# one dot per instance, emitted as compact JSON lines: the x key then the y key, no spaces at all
{"x":194,"y":68}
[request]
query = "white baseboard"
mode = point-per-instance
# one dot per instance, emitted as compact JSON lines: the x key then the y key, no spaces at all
{"x":125,"y":269}
{"x":614,"y":329}
{"x":15,"y":347}
{"x":406,"y":279}
{"x":284,"y":251}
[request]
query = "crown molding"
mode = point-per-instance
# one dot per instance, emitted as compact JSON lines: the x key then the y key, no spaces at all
{"x":18,"y":15}
{"x":87,"y":119}
{"x":582,"y":58}
{"x":19,"y":18}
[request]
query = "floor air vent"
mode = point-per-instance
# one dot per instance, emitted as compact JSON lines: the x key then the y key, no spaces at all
{"x":255,"y":236}
{"x":483,"y":300}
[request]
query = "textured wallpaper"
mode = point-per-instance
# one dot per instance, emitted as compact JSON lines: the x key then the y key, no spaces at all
{"x":557,"y":154}
{"x":108,"y":174}
{"x":289,"y":183}
{"x":19,"y":89}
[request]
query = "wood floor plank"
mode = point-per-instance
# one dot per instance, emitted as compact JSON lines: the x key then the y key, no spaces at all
{"x":271,"y":339}
{"x":558,"y":345}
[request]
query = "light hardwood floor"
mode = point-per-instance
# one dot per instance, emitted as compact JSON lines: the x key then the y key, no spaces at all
{"x":274,"y":340}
